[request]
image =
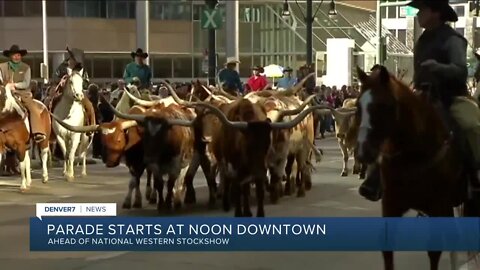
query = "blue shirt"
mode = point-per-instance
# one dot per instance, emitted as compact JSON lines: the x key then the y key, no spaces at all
{"x":143,"y":72}
{"x":286,"y":82}
{"x":230,"y":79}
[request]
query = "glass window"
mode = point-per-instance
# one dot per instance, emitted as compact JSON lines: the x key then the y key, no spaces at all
{"x":75,"y":8}
{"x":88,"y":64}
{"x":102,"y":67}
{"x":198,"y":67}
{"x":402,"y":36}
{"x":196,"y":12}
{"x":384,"y":12}
{"x":30,"y":60}
{"x":392,"y":12}
{"x":13,"y":8}
{"x":162,"y":67}
{"x":182,"y":67}
{"x":1,"y":7}
{"x":119,"y":66}
{"x":246,"y":66}
{"x":96,"y":8}
{"x":169,"y":10}
{"x":33,"y":8}
{"x":460,"y":10}
{"x":56,"y":8}
{"x":132,"y":9}
{"x":118,"y":9}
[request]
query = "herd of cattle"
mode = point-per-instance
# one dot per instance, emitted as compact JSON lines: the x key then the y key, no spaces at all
{"x":263,"y":138}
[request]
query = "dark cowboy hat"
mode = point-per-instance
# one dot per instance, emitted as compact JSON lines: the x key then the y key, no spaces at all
{"x":14,"y":49}
{"x":442,"y":6}
{"x":75,"y":54}
{"x":259,"y":68}
{"x":289,"y":69}
{"x":139,"y":52}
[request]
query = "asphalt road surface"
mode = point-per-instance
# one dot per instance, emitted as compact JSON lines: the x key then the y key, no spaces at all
{"x":331,"y":196}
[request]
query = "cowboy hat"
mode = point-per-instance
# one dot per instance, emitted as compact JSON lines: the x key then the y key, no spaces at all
{"x":14,"y":49}
{"x":289,"y":69}
{"x":259,"y":68}
{"x":139,"y":52}
{"x":442,"y":6}
{"x":75,"y":54}
{"x":232,"y":60}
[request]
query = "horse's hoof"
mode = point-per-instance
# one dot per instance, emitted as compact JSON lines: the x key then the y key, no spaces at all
{"x":84,"y":174}
{"x":23,"y":189}
{"x":70,"y":178}
{"x":45,"y":179}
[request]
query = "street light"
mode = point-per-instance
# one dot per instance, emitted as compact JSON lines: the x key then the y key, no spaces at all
{"x":332,"y":12}
{"x":286,"y":11}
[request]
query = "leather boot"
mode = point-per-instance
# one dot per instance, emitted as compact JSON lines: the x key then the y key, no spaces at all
{"x":370,"y":188}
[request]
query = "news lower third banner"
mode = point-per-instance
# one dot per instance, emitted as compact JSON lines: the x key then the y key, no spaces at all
{"x":72,"y":228}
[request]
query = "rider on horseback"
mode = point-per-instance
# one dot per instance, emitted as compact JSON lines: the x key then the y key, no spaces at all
{"x":74,"y":61}
{"x":18,"y":74}
{"x":440,"y":69}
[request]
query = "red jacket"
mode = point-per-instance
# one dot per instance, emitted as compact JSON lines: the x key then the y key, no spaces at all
{"x":257,"y":84}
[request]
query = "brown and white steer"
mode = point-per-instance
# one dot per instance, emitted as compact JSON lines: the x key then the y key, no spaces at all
{"x":346,"y":131}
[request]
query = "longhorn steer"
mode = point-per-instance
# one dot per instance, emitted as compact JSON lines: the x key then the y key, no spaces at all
{"x":346,"y":132}
{"x":240,"y":145}
{"x":168,"y":146}
{"x":200,"y":142}
{"x":122,"y":138}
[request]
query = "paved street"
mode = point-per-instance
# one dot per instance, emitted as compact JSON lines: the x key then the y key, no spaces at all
{"x":331,"y":196}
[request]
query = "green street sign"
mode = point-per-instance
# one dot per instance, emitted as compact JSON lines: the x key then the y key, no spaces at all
{"x":211,"y":19}
{"x":410,"y":11}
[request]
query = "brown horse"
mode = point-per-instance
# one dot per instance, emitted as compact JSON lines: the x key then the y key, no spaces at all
{"x":420,"y":168}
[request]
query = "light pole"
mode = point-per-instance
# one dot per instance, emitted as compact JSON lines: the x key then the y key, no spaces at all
{"x":212,"y":57}
{"x":44,"y":67}
{"x":309,"y":18}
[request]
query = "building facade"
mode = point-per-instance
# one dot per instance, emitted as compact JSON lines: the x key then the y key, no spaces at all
{"x":106,"y":31}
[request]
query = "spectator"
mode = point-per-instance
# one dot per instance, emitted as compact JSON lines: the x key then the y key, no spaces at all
{"x":287,"y":81}
{"x":117,"y":93}
{"x":257,"y":81}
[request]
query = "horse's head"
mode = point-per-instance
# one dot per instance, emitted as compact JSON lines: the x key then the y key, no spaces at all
{"x":376,"y":111}
{"x":74,"y":84}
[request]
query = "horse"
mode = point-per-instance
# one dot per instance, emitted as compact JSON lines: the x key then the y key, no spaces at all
{"x":421,"y":168}
{"x":15,"y":134}
{"x":70,"y":110}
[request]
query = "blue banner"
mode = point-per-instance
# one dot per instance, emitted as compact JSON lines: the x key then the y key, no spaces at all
{"x":253,"y":234}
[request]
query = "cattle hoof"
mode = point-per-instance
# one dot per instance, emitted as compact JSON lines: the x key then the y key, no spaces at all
{"x":152,"y":199}
{"x":148,"y":193}
{"x":308,"y":185}
{"x":301,"y":193}
{"x":23,"y":190}
{"x":127,"y":205}
{"x":355,"y":171}
{"x":261,"y":214}
{"x":248,"y":213}
{"x":190,"y":198}
{"x":212,"y":203}
{"x":344,"y":173}
{"x":70,"y":178}
{"x":137,"y":204}
{"x":45,"y":179}
{"x":361,"y":176}
{"x":84,"y":174}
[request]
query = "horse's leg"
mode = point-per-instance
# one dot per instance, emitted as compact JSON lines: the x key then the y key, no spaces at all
{"x":23,"y":172}
{"x":344,"y":149}
{"x":390,"y":208}
{"x":62,"y":143}
{"x":28,"y":169}
{"x":75,"y":141}
{"x":43,"y":146}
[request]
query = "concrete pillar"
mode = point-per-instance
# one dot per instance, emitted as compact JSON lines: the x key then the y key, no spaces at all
{"x":232,"y":27}
{"x":142,"y":20}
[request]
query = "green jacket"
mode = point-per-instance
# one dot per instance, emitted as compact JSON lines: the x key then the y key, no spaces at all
{"x":143,"y":72}
{"x":20,"y":77}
